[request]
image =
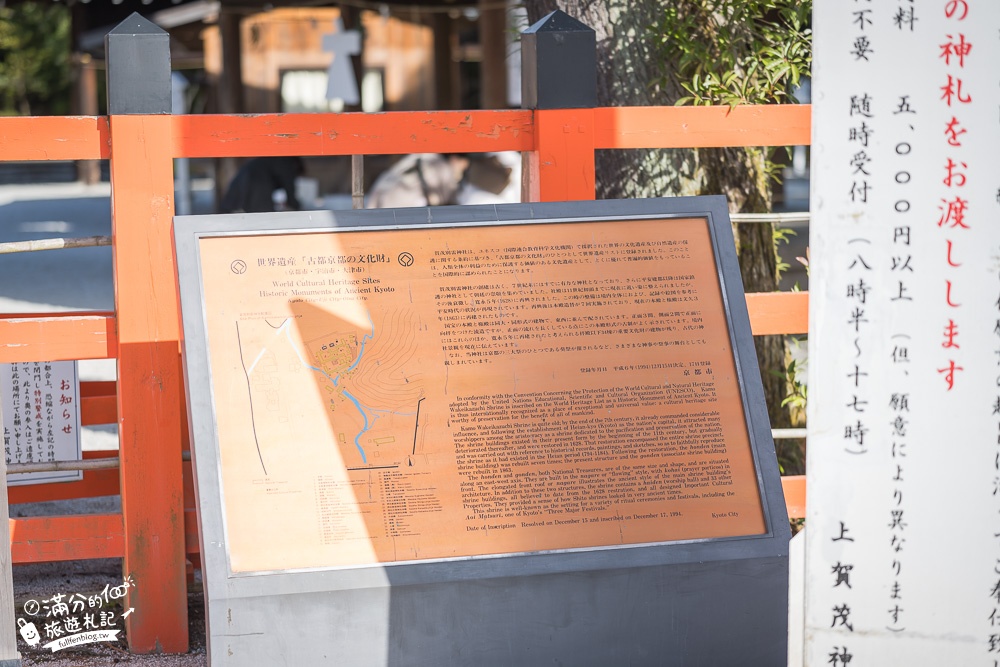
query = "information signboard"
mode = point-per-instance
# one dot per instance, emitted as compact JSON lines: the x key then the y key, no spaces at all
{"x":489,"y":386}
{"x":904,"y":400}
{"x":40,"y":418}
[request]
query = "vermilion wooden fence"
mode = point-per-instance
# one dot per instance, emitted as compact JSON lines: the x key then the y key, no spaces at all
{"x":156,"y":528}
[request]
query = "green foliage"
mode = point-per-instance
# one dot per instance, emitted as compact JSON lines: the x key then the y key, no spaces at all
{"x":782,"y":235}
{"x":34,"y":58}
{"x":798,"y":390}
{"x":741,"y":52}
{"x":734,"y":52}
{"x":791,"y":453}
{"x":793,"y":374}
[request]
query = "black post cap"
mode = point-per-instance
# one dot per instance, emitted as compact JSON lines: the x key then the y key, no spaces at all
{"x":558,"y":64}
{"x":138,"y":67}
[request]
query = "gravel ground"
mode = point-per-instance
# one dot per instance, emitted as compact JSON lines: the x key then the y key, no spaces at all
{"x":40,"y":581}
{"x":89,"y":577}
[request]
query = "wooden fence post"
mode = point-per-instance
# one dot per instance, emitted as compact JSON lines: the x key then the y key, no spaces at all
{"x":559,"y":81}
{"x":149,"y":372}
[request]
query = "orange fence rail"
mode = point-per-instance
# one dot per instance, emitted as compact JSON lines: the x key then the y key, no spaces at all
{"x":390,"y":133}
{"x":701,"y":127}
{"x":61,"y":337}
{"x":55,"y":138}
{"x":142,"y":333}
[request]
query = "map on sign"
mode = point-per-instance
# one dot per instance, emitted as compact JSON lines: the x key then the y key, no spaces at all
{"x":370,"y":397}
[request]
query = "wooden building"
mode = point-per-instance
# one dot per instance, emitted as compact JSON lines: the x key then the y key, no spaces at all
{"x":435,"y":55}
{"x":245,"y":56}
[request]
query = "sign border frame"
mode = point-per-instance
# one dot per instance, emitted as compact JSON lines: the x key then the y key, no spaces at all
{"x":226,"y":587}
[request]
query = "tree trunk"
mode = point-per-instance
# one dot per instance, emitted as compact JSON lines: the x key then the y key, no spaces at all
{"x":741,"y":175}
{"x":629,"y":73}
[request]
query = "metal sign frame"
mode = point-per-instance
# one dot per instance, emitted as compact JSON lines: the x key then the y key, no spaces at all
{"x":525,"y":608}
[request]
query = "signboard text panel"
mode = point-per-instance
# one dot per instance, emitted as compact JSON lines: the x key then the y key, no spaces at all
{"x":449,"y":392}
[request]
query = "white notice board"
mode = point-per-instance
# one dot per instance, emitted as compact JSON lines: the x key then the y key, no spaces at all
{"x":903,"y":525}
{"x":41,"y":417}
